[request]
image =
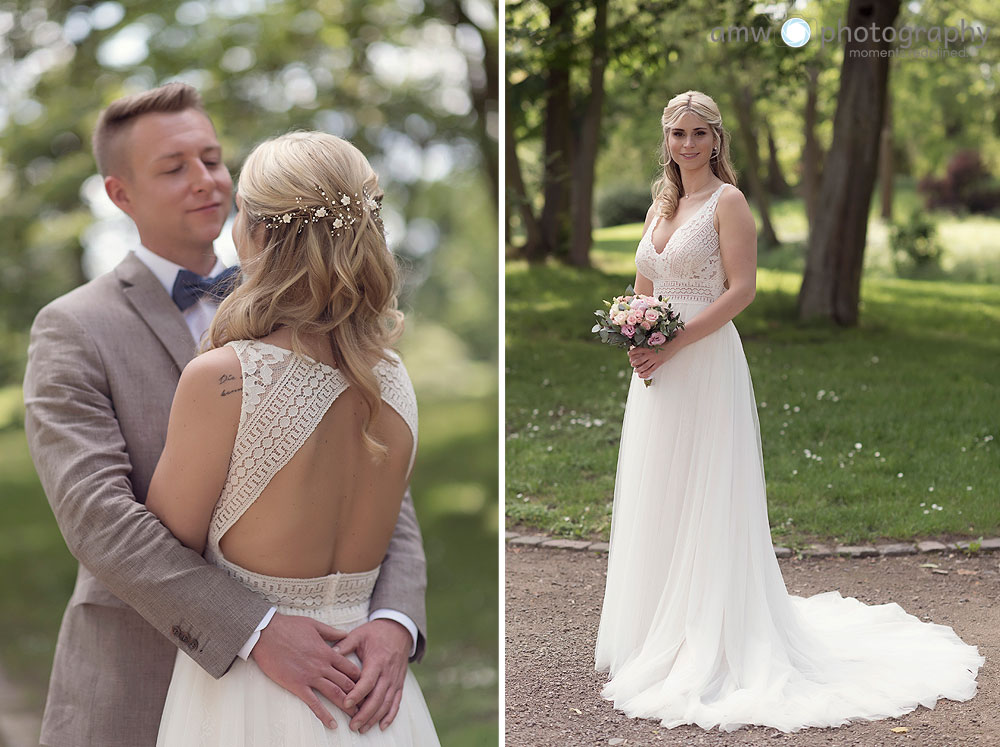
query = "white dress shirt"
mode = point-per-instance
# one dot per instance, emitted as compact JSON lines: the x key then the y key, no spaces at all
{"x":199,"y":317}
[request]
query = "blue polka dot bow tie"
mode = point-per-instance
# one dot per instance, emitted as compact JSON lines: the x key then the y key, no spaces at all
{"x":189,"y":286}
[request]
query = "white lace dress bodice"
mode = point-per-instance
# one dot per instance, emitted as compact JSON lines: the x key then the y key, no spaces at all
{"x":689,"y":269}
{"x":285,"y":397}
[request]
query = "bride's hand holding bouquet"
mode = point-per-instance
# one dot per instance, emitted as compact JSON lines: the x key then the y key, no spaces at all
{"x":642,"y":325}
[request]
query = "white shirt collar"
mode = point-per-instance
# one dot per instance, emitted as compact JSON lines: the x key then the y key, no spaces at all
{"x":165,"y":270}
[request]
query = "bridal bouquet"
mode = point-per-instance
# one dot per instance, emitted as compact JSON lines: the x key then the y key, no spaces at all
{"x":637,"y":321}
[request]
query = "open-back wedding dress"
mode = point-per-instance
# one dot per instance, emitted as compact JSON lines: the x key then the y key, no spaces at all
{"x":697,"y":626}
{"x":284,"y":400}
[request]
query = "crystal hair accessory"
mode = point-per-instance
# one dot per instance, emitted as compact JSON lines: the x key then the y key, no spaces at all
{"x":342,"y":211}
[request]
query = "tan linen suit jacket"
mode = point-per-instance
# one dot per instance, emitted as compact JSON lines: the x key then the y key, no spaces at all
{"x":103,"y":364}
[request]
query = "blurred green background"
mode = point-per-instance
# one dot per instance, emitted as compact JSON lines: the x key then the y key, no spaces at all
{"x":414,"y":86}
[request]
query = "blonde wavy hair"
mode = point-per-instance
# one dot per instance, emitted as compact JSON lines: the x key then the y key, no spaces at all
{"x":342,"y":285}
{"x":668,"y":187}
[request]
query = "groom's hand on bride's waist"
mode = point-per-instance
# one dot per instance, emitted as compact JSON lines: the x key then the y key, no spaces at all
{"x":384,"y":647}
{"x":293,"y":651}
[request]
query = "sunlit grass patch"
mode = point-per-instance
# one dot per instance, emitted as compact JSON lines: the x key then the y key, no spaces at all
{"x":914,"y":384}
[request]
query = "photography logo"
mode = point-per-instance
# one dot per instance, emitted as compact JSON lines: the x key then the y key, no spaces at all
{"x":795,"y":32}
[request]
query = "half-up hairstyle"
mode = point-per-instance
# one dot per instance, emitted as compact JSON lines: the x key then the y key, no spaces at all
{"x":320,"y":267}
{"x":667,"y":188}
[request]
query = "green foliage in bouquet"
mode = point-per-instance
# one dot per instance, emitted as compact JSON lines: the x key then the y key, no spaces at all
{"x":611,"y":333}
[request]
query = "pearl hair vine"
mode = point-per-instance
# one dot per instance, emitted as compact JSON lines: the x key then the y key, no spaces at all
{"x":343,"y":211}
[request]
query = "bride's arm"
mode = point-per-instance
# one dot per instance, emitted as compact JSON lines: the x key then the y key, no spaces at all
{"x":192,"y":470}
{"x":738,"y":248}
{"x":643,"y":285}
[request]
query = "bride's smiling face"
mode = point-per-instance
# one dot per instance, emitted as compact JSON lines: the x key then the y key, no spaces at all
{"x":690,"y":141}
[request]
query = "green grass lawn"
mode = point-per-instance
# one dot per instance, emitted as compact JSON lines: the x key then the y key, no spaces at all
{"x":915,"y":385}
{"x":455,"y":490}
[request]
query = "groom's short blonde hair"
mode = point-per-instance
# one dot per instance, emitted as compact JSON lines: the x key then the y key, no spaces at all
{"x":115,"y":121}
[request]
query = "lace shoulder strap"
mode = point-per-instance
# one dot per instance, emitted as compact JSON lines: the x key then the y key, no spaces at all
{"x":397,"y":392}
{"x":652,"y":225}
{"x":284,"y":399}
{"x":713,"y":201}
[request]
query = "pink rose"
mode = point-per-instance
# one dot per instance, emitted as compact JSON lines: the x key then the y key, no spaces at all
{"x":652,"y":315}
{"x":628,"y":330}
{"x":646,"y":326}
{"x":633,"y":318}
{"x":657,"y":338}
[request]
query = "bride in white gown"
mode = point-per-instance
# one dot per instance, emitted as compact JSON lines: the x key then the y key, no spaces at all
{"x":300,"y":426}
{"x":697,"y":626}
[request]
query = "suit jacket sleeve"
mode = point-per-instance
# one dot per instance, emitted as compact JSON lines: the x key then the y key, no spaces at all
{"x":81,"y":459}
{"x":402,"y":583}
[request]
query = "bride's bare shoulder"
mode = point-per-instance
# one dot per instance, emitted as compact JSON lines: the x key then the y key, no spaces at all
{"x":731,"y":195}
{"x":732,"y":206}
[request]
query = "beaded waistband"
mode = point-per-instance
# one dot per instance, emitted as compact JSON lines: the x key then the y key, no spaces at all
{"x":680,"y":292}
{"x":345,"y":590}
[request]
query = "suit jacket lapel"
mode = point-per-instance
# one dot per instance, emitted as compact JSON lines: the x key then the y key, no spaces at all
{"x":147,"y":296}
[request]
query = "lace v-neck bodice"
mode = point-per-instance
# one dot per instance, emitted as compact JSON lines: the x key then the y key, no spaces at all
{"x":690,"y":266}
{"x":285,"y":397}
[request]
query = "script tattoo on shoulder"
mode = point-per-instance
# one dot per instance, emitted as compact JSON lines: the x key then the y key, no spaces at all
{"x":226,"y":379}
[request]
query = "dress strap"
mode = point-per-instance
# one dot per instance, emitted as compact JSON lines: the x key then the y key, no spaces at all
{"x":284,"y":400}
{"x":397,"y":392}
{"x":652,"y":225}
{"x":714,"y":199}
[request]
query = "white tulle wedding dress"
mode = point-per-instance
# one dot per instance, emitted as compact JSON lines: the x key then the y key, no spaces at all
{"x":284,"y":399}
{"x":697,"y":626}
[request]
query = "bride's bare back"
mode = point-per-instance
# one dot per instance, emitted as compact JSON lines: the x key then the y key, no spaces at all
{"x":333,"y":506}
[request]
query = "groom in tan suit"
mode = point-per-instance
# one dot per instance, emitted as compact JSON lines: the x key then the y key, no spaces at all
{"x":103,"y":364}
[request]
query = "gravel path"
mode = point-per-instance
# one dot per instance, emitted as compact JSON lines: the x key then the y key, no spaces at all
{"x":553,"y":694}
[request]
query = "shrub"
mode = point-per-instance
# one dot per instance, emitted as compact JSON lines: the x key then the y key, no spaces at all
{"x":966,"y":186}
{"x":623,"y":204}
{"x":915,"y":248}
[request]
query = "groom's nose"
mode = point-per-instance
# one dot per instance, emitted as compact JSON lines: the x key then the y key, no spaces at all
{"x":201,"y":177}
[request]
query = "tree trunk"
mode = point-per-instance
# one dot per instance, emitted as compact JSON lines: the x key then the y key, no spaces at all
{"x":517,"y":197}
{"x":831,"y":286}
{"x":776,"y":183}
{"x":743,"y":98}
{"x":555,"y":221}
{"x":812,"y":154}
{"x":485,"y":100}
{"x":581,"y":237}
{"x":885,"y":167}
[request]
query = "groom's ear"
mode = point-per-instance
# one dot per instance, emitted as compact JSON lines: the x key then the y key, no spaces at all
{"x":118,"y":191}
